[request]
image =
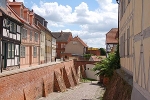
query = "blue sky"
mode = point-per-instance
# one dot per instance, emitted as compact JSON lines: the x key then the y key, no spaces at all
{"x":89,"y":19}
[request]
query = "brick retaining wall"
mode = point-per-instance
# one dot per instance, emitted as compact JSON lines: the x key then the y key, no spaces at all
{"x":35,"y":82}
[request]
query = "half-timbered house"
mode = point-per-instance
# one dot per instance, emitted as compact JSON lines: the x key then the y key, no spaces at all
{"x":111,"y":40}
{"x":10,"y":35}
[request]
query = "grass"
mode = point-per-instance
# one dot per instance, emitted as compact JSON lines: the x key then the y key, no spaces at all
{"x":87,"y":80}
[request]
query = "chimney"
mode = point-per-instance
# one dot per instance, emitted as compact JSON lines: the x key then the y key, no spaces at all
{"x":61,"y":33}
{"x":32,"y":10}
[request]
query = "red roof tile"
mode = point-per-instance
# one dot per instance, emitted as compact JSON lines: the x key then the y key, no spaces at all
{"x":112,"y":35}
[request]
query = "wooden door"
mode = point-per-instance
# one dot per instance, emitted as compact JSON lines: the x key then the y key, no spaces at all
{"x":30,"y":55}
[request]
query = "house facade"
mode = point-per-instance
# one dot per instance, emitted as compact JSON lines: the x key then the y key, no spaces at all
{"x":76,"y":47}
{"x":10,"y":38}
{"x":62,"y":38}
{"x":46,"y":39}
{"x":54,"y":54}
{"x":30,"y":35}
{"x":111,"y":40}
{"x":134,"y":38}
{"x":93,"y":51}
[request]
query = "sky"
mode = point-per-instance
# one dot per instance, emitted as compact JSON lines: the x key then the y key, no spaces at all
{"x":89,"y":19}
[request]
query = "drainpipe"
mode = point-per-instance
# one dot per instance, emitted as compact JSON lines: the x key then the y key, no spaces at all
{"x":1,"y":55}
{"x":118,"y":21}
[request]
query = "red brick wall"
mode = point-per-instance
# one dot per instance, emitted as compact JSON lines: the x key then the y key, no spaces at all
{"x":82,"y":65}
{"x":35,"y":82}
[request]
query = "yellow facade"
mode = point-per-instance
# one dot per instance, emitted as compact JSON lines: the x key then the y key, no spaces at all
{"x":134,"y":39}
{"x":48,"y":46}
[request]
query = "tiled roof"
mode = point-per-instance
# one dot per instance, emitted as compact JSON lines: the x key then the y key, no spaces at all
{"x":21,"y":19}
{"x":112,"y":35}
{"x":9,"y":13}
{"x":61,"y":36}
{"x":81,"y":41}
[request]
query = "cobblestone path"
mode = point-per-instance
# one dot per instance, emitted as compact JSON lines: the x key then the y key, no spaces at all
{"x":83,"y":91}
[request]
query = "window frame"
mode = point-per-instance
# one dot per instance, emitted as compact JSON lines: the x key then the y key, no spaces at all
{"x":34,"y":51}
{"x":9,"y":51}
{"x":128,"y":41}
{"x":22,"y":51}
{"x":30,"y":35}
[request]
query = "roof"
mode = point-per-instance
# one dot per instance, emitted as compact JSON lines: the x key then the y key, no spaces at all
{"x":112,"y":35}
{"x":61,"y":36}
{"x":80,"y":40}
{"x":95,"y":58}
{"x":21,"y":19}
{"x":10,"y":14}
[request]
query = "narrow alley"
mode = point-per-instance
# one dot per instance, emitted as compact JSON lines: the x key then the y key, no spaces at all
{"x":83,"y":91}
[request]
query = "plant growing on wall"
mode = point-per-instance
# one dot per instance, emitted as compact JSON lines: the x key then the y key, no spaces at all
{"x":107,"y":65}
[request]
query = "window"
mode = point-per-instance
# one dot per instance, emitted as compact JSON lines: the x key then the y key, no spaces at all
{"x":128,"y":41}
{"x":57,"y":45}
{"x":63,"y":45}
{"x":42,"y":38}
{"x":11,"y":50}
{"x":35,"y":51}
{"x":35,"y":36}
{"x":22,"y":51}
{"x":23,"y":33}
{"x":30,"y":35}
{"x":12,"y":27}
{"x":74,"y":42}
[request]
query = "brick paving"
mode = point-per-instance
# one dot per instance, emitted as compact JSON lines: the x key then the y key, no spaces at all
{"x":83,"y":91}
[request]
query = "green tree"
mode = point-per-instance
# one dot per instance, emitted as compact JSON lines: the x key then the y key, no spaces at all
{"x":87,"y":56}
{"x":102,"y":51}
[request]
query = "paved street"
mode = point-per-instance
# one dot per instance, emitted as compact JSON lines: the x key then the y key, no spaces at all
{"x":84,"y":91}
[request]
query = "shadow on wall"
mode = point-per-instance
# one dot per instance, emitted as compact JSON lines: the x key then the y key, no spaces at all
{"x":36,"y":82}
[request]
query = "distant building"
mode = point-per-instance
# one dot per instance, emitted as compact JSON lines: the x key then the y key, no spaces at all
{"x":76,"y":47}
{"x":62,"y":38}
{"x":93,"y":51}
{"x":111,"y":40}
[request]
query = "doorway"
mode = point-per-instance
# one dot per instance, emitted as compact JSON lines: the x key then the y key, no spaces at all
{"x":4,"y":51}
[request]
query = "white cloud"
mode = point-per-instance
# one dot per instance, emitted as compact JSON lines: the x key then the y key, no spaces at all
{"x":94,"y":24}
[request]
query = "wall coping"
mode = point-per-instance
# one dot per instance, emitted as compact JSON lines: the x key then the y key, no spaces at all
{"x":21,"y":70}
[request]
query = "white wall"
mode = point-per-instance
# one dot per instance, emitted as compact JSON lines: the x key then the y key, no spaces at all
{"x":89,"y":73}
